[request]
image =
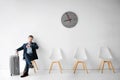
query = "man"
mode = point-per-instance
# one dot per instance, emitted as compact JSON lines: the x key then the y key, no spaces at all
{"x":29,"y":54}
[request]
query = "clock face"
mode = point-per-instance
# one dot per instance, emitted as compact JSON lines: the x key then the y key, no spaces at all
{"x":69,"y":19}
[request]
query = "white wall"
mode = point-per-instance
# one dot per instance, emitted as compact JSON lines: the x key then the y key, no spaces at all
{"x":99,"y":25}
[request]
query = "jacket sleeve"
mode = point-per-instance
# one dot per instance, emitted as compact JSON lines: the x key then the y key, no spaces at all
{"x":20,"y":48}
{"x":35,"y":46}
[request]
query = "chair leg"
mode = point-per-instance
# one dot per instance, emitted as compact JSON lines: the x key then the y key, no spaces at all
{"x":60,"y":66}
{"x":36,"y":65}
{"x":86,"y":67}
{"x":33,"y":66}
{"x":76,"y":67}
{"x":51,"y":67}
{"x":109,"y":65}
{"x":100,"y":65}
{"x":103,"y":66}
{"x":83,"y":65}
{"x":112,"y":66}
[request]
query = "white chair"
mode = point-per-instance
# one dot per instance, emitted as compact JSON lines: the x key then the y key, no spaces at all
{"x":56,"y":56}
{"x":80,"y":57}
{"x":105,"y":56}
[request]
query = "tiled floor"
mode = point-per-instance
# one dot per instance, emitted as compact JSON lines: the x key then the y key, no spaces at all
{"x":66,"y":75}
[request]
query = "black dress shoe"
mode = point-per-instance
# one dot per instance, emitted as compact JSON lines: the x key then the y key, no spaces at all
{"x":24,"y":75}
{"x":31,"y":66}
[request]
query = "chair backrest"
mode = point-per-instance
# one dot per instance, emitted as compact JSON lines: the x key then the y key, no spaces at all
{"x":56,"y":54}
{"x":80,"y":54}
{"x":104,"y":53}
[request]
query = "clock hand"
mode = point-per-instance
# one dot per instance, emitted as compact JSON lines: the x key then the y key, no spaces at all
{"x":69,"y":19}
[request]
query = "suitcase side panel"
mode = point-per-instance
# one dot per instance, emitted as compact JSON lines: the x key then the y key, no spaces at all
{"x":14,"y":65}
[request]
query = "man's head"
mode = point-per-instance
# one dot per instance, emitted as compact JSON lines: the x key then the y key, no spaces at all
{"x":30,"y":38}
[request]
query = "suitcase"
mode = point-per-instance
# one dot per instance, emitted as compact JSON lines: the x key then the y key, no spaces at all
{"x":14,"y":65}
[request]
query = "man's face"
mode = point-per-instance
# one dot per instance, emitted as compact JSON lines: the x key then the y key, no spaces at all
{"x":30,"y":39}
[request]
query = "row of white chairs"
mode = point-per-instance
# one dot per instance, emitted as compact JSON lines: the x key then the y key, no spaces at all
{"x":81,"y":58}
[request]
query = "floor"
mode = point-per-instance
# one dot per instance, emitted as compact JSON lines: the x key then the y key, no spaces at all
{"x":66,"y":75}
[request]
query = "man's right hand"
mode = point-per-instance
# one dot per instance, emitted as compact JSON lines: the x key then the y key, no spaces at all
{"x":28,"y":45}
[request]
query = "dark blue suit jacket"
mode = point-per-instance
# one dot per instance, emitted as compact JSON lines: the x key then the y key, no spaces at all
{"x":32,"y":56}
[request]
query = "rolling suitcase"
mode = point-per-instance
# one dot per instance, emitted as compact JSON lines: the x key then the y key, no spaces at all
{"x":14,"y":65}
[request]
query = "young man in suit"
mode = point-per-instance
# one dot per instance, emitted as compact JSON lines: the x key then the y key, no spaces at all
{"x":29,"y":54}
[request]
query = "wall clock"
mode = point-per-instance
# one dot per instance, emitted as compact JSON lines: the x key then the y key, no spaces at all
{"x":69,"y":19}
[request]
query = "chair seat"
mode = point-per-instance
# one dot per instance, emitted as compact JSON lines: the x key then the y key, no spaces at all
{"x":55,"y":59}
{"x":105,"y":59}
{"x":81,"y":59}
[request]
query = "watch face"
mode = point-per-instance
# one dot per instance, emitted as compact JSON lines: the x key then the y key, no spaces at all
{"x":69,"y":19}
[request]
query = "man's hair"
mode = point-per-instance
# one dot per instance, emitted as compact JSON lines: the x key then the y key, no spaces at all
{"x":31,"y":36}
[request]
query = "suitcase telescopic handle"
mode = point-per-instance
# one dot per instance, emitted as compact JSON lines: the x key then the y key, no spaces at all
{"x":17,"y":53}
